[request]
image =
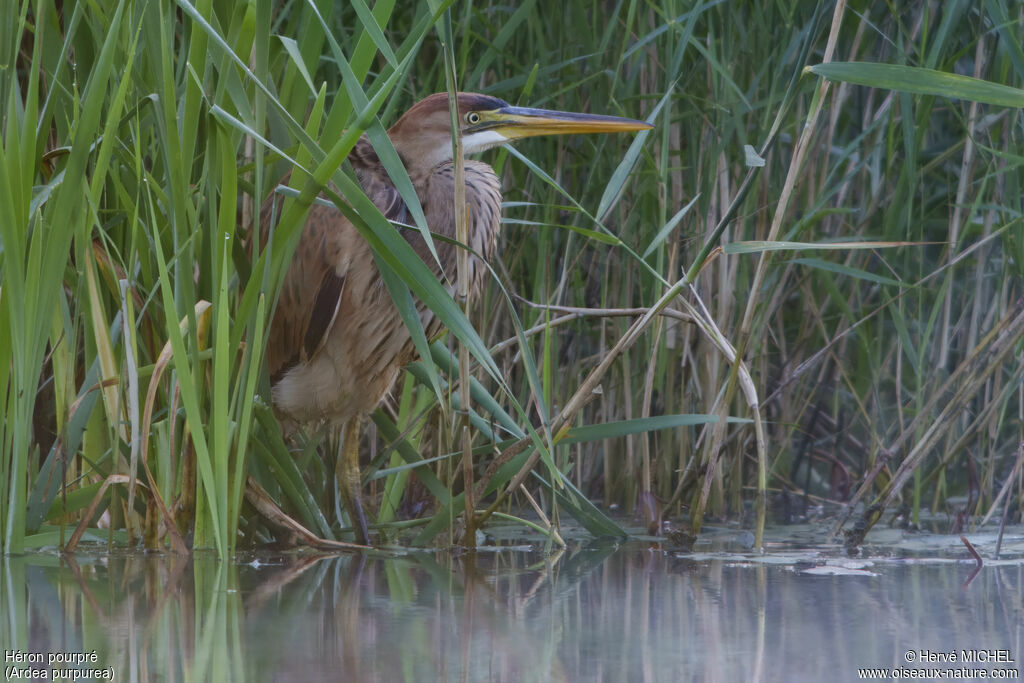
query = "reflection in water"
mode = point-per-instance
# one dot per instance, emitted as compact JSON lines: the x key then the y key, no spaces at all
{"x":595,"y":614}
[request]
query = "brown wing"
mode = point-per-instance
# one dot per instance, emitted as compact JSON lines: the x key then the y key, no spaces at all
{"x":311,"y":295}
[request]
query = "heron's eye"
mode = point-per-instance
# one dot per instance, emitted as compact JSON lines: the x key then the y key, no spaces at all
{"x":473,"y":118}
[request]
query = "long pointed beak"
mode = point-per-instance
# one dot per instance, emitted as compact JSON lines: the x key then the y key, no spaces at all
{"x":522,"y":122}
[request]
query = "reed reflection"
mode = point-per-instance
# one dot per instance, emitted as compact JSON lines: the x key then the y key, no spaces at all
{"x":592,"y":613}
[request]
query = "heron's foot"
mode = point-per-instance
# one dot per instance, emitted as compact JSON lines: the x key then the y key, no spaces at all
{"x":354,"y":505}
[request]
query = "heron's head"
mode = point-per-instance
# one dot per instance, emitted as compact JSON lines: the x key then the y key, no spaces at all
{"x":423,"y":134}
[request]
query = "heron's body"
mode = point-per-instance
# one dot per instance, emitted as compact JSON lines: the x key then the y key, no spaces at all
{"x":336,"y":341}
{"x":359,"y":343}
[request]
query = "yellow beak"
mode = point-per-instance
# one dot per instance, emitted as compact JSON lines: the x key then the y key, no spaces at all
{"x":523,"y":122}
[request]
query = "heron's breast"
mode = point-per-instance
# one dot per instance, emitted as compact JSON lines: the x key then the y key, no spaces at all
{"x":483,"y":201}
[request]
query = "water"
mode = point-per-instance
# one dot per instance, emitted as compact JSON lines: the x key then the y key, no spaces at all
{"x":599,"y":612}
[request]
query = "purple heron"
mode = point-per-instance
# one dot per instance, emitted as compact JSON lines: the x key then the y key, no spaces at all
{"x":337,"y":342}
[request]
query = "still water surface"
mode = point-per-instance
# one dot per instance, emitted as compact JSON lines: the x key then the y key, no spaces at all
{"x":599,"y":612}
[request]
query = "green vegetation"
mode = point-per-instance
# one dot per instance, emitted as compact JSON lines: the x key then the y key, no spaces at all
{"x":835,"y":198}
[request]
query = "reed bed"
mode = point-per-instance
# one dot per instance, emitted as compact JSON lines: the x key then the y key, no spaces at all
{"x":799,"y":293}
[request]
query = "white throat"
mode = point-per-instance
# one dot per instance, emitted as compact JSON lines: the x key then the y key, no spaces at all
{"x":482,"y":140}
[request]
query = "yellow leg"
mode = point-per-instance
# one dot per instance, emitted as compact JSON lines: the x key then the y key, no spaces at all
{"x":349,"y":481}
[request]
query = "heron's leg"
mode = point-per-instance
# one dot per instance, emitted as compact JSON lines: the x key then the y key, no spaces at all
{"x":349,"y":481}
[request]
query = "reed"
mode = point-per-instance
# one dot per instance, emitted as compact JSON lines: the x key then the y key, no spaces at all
{"x":803,"y":284}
